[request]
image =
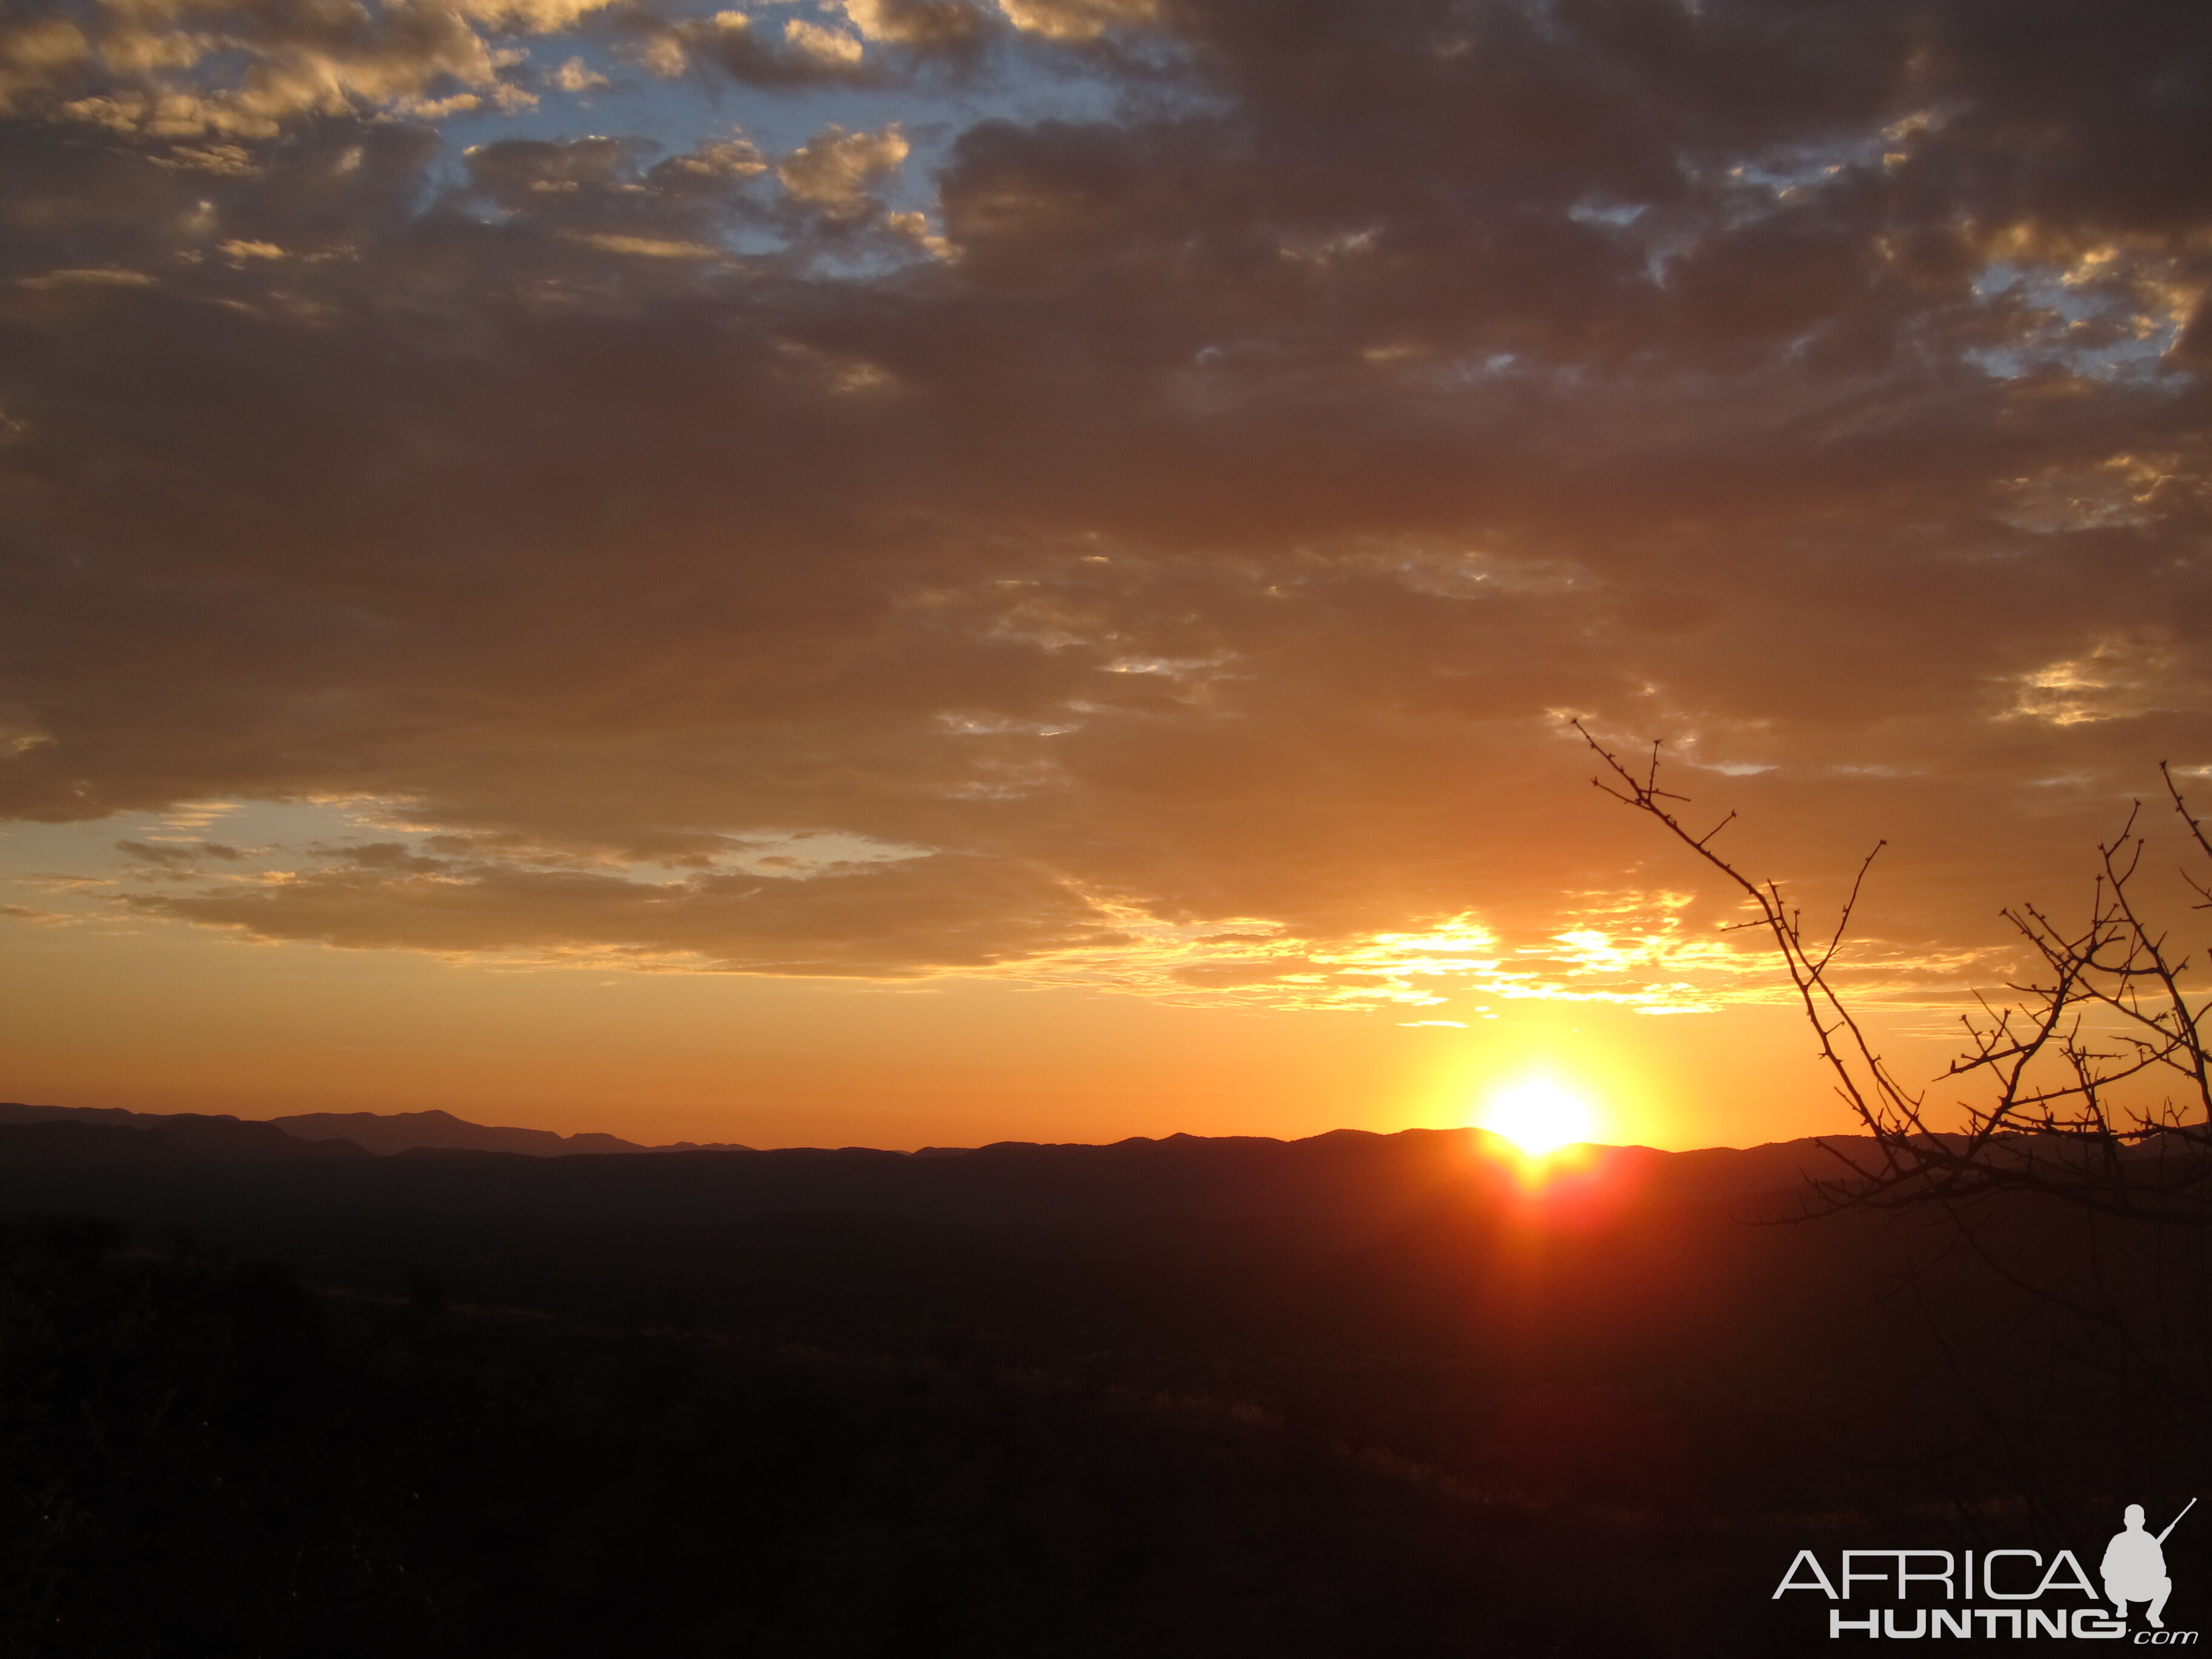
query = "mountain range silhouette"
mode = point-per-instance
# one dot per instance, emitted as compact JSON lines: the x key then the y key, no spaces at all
{"x":435,"y":1159}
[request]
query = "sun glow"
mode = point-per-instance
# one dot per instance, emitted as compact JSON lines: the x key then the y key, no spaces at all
{"x":1539,"y":1116}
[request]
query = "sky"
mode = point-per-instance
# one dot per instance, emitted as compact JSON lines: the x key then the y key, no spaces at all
{"x":917,"y":572}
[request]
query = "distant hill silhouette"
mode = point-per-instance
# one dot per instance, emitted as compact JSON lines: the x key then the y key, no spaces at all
{"x":438,"y":1163}
{"x":400,"y":1132}
{"x":383,"y":1134}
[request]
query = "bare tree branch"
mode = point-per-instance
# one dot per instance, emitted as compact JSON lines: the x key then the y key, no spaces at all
{"x":2065,"y":1059}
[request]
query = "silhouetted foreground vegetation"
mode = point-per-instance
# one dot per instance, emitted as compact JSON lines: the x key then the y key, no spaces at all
{"x":1290,"y":1403}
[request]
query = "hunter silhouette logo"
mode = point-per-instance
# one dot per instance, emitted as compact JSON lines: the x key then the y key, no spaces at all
{"x":2133,"y":1570}
{"x":2134,"y":1566}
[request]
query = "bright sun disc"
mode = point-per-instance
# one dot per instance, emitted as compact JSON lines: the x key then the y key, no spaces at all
{"x":1539,"y":1117}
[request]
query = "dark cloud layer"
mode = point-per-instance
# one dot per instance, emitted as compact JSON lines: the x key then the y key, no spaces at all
{"x":1203,"y":518}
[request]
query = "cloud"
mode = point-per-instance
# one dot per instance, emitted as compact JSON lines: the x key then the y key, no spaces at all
{"x":837,"y":168}
{"x":885,"y":921}
{"x":174,"y":853}
{"x":1187,"y":519}
{"x":940,"y":24}
{"x":648,"y":247}
{"x":36,"y":52}
{"x":39,"y":917}
{"x":1076,"y":20}
{"x":242,"y":72}
{"x":576,"y":76}
{"x":806,"y":54}
{"x":829,"y":45}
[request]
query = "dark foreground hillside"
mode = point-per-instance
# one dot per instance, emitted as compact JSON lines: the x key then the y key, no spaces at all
{"x":1360,"y":1395}
{"x":213,"y":1461}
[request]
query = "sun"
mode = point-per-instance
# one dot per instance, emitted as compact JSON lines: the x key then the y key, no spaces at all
{"x":1539,"y":1116}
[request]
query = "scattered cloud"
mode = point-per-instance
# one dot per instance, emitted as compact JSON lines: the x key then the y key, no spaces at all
{"x":576,"y":76}
{"x":38,"y":918}
{"x":1076,"y":20}
{"x":837,"y":168}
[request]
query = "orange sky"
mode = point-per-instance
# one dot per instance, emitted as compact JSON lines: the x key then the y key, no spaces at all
{"x":196,"y":1026}
{"x":927,"y":570}
{"x":170,"y":1019}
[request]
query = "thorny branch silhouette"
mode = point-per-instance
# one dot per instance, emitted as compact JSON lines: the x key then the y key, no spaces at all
{"x":2105,"y":1013}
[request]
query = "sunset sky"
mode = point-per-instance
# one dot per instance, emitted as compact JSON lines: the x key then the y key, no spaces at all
{"x":916,"y":572}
